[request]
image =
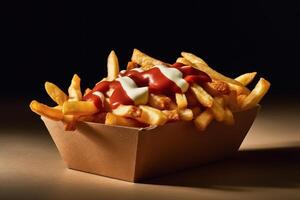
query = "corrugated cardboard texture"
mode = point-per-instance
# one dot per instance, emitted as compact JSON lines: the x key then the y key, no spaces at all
{"x":134,"y":154}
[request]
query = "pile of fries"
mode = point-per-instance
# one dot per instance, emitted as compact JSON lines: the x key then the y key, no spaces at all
{"x":215,"y":100}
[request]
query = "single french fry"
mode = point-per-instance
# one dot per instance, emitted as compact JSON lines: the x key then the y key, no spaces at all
{"x":256,"y":94}
{"x":203,"y":120}
{"x":55,"y":93}
{"x":247,"y":78}
{"x":203,"y":97}
{"x":217,"y":109}
{"x":228,"y":117}
{"x":79,"y":108}
{"x":152,"y":116}
{"x":159,"y":101}
{"x":74,"y":89}
{"x":145,"y":61}
{"x":186,"y":114}
{"x":112,"y":119}
{"x":202,"y":65}
{"x":217,"y":88}
{"x":112,"y":66}
{"x":44,"y":110}
{"x":127,"y":111}
{"x":172,"y":115}
{"x":184,"y":61}
{"x":181,"y":100}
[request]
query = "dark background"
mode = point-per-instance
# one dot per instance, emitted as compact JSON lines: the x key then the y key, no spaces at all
{"x":52,"y":41}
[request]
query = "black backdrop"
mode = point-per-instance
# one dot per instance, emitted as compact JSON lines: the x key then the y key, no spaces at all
{"x":51,"y":41}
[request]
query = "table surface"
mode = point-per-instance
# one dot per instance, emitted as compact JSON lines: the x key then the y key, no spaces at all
{"x":266,"y":167}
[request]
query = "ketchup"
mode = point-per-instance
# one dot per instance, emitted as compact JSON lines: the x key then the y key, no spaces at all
{"x":160,"y":79}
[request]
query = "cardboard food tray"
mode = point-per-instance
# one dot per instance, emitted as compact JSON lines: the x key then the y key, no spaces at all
{"x":134,"y":154}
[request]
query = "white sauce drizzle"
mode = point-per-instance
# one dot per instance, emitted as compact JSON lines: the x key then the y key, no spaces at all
{"x":174,"y":75}
{"x":138,"y":94}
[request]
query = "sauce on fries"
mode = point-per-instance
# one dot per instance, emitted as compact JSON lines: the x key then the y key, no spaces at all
{"x":135,"y":84}
{"x":152,"y":92}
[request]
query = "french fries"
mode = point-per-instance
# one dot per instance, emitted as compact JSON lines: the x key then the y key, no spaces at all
{"x":186,"y":114}
{"x":203,"y":120}
{"x":228,"y":117}
{"x":112,"y":119}
{"x":203,"y":97}
{"x":217,"y":109}
{"x":201,"y":103}
{"x":200,"y":64}
{"x":56,"y":93}
{"x":152,"y":116}
{"x":127,"y":111}
{"x":256,"y":94}
{"x":159,"y":101}
{"x":145,"y":61}
{"x":172,"y":115}
{"x":245,"y":79}
{"x":46,"y":111}
{"x":184,"y":61}
{"x":112,"y":66}
{"x":181,"y":100}
{"x":74,"y":89}
{"x":217,"y":88}
{"x":79,"y":108}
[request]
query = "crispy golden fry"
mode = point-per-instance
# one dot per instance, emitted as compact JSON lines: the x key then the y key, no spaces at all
{"x":203,"y":97}
{"x":196,"y":111}
{"x":55,"y":93}
{"x":172,"y":115}
{"x":159,"y":101}
{"x":112,"y":119}
{"x":203,"y":120}
{"x":131,"y":65}
{"x":200,"y":64}
{"x":44,"y":110}
{"x":217,"y":109}
{"x":112,"y":66}
{"x":74,"y":89}
{"x":127,"y":111}
{"x":79,"y":108}
{"x":181,"y":100}
{"x":184,"y":61}
{"x":217,"y":88}
{"x":87,"y":90}
{"x":145,"y":61}
{"x":228,"y":117}
{"x":186,"y":114}
{"x":245,"y":79}
{"x":152,"y":116}
{"x":256,"y":94}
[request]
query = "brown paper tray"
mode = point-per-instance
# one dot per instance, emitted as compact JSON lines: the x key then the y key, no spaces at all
{"x":134,"y":154}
